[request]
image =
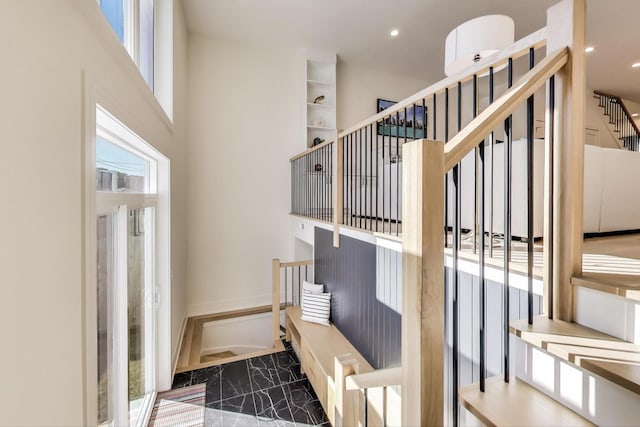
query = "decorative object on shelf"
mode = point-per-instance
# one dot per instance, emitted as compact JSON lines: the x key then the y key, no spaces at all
{"x":414,"y":122}
{"x":477,"y":39}
{"x":317,"y":140}
{"x":319,"y":123}
{"x":317,"y":167}
{"x":318,"y":99}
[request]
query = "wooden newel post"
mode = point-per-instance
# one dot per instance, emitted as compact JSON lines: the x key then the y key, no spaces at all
{"x":345,"y":410}
{"x":275,"y":295}
{"x":566,"y":27}
{"x":423,"y":283}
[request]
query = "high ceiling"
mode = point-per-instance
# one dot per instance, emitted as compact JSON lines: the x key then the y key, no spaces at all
{"x":358,"y":30}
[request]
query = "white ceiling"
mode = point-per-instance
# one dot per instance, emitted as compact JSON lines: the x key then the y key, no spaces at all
{"x":358,"y":30}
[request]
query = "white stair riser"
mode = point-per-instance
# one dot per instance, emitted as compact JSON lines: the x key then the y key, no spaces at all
{"x":611,"y":314}
{"x":593,"y":397}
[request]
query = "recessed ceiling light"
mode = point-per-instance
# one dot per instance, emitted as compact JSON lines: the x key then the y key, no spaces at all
{"x":636,"y":65}
{"x":634,"y":115}
{"x":394,"y":32}
{"x":589,"y":49}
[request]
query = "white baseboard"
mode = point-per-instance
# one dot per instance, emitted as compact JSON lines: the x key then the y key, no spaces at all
{"x":176,"y":351}
{"x":231,"y":304}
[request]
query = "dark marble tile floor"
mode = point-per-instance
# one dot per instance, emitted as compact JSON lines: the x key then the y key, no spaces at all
{"x":261,"y":391}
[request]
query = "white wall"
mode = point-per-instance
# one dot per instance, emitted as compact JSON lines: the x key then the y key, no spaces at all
{"x":49,"y":46}
{"x":244,"y":124}
{"x":360,"y":87}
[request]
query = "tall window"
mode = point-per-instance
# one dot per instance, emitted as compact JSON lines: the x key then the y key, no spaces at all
{"x":134,"y":24}
{"x":127,"y":176}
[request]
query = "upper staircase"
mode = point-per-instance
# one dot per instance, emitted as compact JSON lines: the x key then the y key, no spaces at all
{"x":620,"y":120}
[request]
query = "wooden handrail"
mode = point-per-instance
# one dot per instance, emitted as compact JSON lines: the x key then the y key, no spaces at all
{"x":624,"y":108}
{"x":516,"y":50}
{"x":378,"y":378}
{"x":295,"y":263}
{"x":312,"y":149}
{"x":469,"y":137}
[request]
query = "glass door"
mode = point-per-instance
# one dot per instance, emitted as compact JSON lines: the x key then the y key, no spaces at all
{"x":140,"y":312}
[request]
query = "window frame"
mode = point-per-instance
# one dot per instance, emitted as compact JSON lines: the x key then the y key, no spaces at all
{"x":99,"y":122}
{"x":131,"y":34}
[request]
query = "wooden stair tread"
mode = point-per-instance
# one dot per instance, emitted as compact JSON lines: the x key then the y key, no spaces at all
{"x":516,"y":404}
{"x":627,"y":373}
{"x":624,"y":285}
{"x":602,"y":354}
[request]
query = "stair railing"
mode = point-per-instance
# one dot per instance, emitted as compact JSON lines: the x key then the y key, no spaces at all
{"x":621,"y":119}
{"x":376,"y":397}
{"x":286,"y":289}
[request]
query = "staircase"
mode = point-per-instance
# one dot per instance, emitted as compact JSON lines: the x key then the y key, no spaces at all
{"x":620,"y":120}
{"x":579,"y":363}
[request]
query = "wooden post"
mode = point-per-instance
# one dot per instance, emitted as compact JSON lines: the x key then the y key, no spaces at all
{"x":345,"y":406}
{"x":566,"y":27}
{"x":423,"y":283}
{"x":275,"y":297}
{"x":338,"y":190}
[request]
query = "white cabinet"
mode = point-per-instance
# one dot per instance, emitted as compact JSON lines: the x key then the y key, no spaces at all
{"x":320,"y":99}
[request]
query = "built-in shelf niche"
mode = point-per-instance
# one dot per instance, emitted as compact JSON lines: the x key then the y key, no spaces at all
{"x":321,"y":115}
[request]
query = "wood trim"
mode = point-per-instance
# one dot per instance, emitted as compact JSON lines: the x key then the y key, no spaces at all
{"x":295,"y":263}
{"x":469,"y":137}
{"x":205,"y":318}
{"x":378,"y":378}
{"x":566,"y":27}
{"x":345,"y":406}
{"x":338,"y":191}
{"x":309,"y":218}
{"x":516,"y":50}
{"x":275,"y":298}
{"x":311,"y":150}
{"x":423,"y":322}
{"x":229,"y":359}
{"x":624,"y":108}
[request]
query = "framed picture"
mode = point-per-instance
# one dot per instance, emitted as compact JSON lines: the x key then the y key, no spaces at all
{"x":412,"y":126}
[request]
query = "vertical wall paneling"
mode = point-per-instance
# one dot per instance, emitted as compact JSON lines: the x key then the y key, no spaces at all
{"x":364,"y":280}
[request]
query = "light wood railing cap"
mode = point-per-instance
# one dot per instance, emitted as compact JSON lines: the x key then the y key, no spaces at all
{"x":378,"y":378}
{"x":469,"y":137}
{"x":312,"y":149}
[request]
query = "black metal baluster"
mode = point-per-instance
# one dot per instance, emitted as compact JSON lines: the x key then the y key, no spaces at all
{"x":398,"y":167}
{"x":360,"y":155}
{"x":352,"y":180}
{"x":530,"y":110}
{"x":507,"y":226}
{"x":446,"y":178}
{"x":371,"y":177}
{"x":551,"y":136}
{"x":378,"y":171}
{"x":366,"y":407}
{"x":390,"y":174}
{"x":474,"y":105}
{"x":456,"y":283}
{"x":383,"y":178}
{"x":492,"y":142}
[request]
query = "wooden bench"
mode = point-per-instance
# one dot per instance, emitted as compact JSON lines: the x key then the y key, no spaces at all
{"x":327,"y":358}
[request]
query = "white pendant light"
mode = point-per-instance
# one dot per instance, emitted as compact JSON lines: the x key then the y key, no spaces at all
{"x":476,"y":39}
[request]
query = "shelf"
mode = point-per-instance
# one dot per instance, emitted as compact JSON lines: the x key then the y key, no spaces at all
{"x":311,"y":104}
{"x":321,"y":128}
{"x":319,"y":83}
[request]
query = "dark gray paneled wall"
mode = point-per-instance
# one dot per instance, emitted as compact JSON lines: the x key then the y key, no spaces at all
{"x":350,"y":274}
